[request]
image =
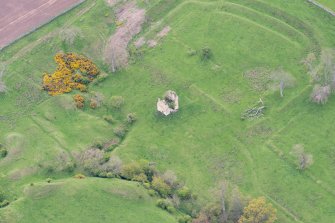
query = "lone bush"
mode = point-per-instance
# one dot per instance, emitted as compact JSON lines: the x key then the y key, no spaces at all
{"x":258,"y":211}
{"x":120,"y":131}
{"x":3,"y":151}
{"x":108,"y":118}
{"x":116,"y":102}
{"x":79,"y":100}
{"x":206,"y":53}
{"x":79,"y":176}
{"x":303,"y":159}
{"x":131,"y":118}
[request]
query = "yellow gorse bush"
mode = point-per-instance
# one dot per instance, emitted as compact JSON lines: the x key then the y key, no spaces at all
{"x":73,"y":72}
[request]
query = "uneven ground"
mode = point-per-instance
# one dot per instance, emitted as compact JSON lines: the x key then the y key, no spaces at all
{"x":19,"y":17}
{"x":206,"y":142}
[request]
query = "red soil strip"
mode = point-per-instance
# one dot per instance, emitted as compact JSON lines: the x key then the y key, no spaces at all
{"x":20,"y":17}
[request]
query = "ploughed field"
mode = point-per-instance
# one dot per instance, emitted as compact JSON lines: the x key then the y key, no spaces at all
{"x":205,"y":142}
{"x":19,"y":17}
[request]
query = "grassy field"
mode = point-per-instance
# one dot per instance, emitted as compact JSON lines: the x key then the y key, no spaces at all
{"x":328,"y":3}
{"x":205,"y":143}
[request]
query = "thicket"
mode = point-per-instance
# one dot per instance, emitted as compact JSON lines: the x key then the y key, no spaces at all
{"x":323,"y":75}
{"x":73,"y":72}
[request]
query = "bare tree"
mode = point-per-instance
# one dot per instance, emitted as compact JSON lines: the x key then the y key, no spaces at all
{"x":320,"y":94}
{"x":224,"y":215}
{"x":303,"y":159}
{"x":236,"y":206}
{"x":282,"y":79}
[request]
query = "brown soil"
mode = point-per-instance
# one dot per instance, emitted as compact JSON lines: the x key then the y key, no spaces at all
{"x":131,"y":19}
{"x":19,"y":17}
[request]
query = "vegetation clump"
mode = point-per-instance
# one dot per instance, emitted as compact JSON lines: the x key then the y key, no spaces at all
{"x":258,"y":211}
{"x":3,"y":201}
{"x":303,"y":159}
{"x":3,"y":151}
{"x":73,"y":72}
{"x":79,"y":100}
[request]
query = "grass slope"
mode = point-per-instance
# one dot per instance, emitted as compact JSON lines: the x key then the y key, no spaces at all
{"x":205,"y":142}
{"x":86,"y":200}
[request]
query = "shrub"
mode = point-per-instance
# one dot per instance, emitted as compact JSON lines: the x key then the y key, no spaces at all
{"x":93,"y":103}
{"x":320,"y":94}
{"x":258,"y":211}
{"x":163,"y":204}
{"x":131,"y":170}
{"x":131,"y":118}
{"x":120,"y":131}
{"x":191,"y":52}
{"x":159,"y":185}
{"x":152,"y":192}
{"x":185,"y":219}
{"x":3,"y":152}
{"x":67,"y":77}
{"x":170,"y":178}
{"x":98,"y":144}
{"x":4,"y":203}
{"x":91,"y":160}
{"x":206,"y":53}
{"x":108,"y":118}
{"x":116,"y":102}
{"x":141,"y":178}
{"x":79,"y":176}
{"x":184,"y":193}
{"x":171,"y":209}
{"x":113,"y":165}
{"x":303,"y":159}
{"x":79,"y":100}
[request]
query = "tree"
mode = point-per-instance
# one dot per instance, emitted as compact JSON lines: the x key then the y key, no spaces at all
{"x":320,"y":94}
{"x":258,"y":211}
{"x":282,"y":79}
{"x":303,"y":159}
{"x":235,"y":206}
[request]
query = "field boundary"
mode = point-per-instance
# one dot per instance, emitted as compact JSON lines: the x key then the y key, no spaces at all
{"x":324,"y":8}
{"x":42,"y":24}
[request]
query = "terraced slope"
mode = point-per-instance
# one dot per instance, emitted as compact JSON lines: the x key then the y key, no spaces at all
{"x":206,"y":141}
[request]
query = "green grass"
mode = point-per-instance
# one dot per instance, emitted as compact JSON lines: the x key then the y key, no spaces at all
{"x":205,"y":142}
{"x":75,"y":200}
{"x":328,"y":3}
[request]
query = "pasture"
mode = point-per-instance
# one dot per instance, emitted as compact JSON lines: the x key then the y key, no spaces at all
{"x":205,"y":143}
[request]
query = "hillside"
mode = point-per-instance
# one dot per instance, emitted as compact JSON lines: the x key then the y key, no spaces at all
{"x":222,"y":58}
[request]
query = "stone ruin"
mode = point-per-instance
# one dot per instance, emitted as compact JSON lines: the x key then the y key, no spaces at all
{"x":170,"y":103}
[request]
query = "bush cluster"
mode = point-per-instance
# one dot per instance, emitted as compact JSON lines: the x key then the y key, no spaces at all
{"x":73,"y":72}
